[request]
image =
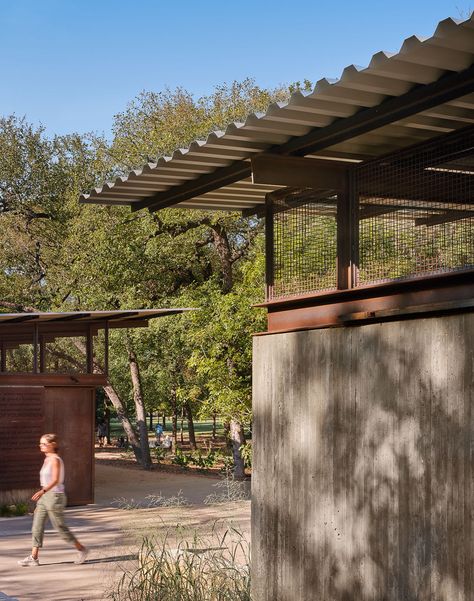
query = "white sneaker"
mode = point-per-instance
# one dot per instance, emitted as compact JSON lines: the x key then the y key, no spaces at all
{"x":29,"y":561}
{"x":81,"y":556}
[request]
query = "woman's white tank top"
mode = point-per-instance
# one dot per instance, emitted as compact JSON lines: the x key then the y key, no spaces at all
{"x":46,"y":474}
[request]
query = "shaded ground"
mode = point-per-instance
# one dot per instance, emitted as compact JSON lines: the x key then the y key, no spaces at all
{"x":109,"y":532}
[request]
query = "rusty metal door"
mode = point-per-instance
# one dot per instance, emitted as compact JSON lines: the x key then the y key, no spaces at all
{"x":70,"y":414}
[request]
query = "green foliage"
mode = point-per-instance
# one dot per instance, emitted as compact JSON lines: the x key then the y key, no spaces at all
{"x":298,"y":86}
{"x":221,"y":336}
{"x":203,"y":461}
{"x":14,"y":509}
{"x":59,"y":255}
{"x":160,"y":454}
{"x":156,"y":123}
{"x":40,"y":180}
{"x":246,"y":453}
{"x":227,"y":466}
{"x":180,"y":458}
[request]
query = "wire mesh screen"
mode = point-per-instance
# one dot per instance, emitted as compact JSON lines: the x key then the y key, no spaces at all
{"x":416,"y":217}
{"x":416,"y":210}
{"x":304,"y":233}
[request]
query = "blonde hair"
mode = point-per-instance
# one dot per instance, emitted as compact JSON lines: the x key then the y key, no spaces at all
{"x":52,"y":439}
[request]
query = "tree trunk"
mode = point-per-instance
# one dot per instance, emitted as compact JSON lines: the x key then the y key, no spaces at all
{"x":181,"y":429}
{"x":123,"y":417}
{"x":107,"y":422}
{"x":174,"y":404}
{"x":164,"y":422}
{"x":115,"y":400}
{"x":222,"y":246}
{"x":238,"y":439}
{"x":151,"y":422}
{"x":228,"y":441}
{"x":139,"y":407}
{"x":214,"y":430}
{"x":189,"y":416}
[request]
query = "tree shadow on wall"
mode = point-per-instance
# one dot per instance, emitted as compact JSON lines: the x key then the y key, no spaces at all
{"x":364,"y":481}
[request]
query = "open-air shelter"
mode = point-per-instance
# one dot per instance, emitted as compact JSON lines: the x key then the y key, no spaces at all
{"x":50,"y":367}
{"x":366,"y":370}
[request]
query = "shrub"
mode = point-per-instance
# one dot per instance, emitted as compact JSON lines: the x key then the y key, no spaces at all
{"x":159,"y":500}
{"x":125,"y":503}
{"x":180,"y":458}
{"x":246,"y":452}
{"x":160,"y":454}
{"x":228,"y":490}
{"x":151,"y":501}
{"x":203,"y":461}
{"x":227,"y":465}
{"x":14,"y":509}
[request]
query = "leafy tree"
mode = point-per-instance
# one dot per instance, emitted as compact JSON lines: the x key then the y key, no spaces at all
{"x":62,"y":256}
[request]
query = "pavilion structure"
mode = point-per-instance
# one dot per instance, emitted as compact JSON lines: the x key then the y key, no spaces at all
{"x":50,"y":367}
{"x":366,"y":371}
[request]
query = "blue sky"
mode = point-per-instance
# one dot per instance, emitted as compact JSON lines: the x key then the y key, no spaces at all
{"x":72,"y":64}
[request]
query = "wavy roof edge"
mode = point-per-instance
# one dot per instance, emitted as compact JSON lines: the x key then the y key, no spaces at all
{"x":419,"y":61}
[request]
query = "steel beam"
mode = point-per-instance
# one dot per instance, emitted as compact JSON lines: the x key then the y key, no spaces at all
{"x":298,"y":172}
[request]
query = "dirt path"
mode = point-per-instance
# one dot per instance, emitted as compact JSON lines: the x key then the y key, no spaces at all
{"x":113,"y":482}
{"x":112,"y":534}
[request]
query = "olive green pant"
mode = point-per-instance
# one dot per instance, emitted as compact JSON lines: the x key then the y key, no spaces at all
{"x":50,"y":505}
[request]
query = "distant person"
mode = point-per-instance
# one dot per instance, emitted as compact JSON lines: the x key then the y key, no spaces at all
{"x":50,"y":502}
{"x":158,"y":433}
{"x":102,"y":434}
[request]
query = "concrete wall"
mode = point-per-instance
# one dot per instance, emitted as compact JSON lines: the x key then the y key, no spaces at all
{"x":363,"y":463}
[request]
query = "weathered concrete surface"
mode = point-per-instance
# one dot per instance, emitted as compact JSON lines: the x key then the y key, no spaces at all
{"x":363,"y":463}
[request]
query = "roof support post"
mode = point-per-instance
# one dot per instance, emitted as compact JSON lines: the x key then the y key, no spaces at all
{"x":269,"y":248}
{"x":35,"y":349}
{"x":347,"y":235}
{"x":42,"y":355}
{"x":106,"y":348}
{"x":90,"y":351}
{"x":3,"y":357}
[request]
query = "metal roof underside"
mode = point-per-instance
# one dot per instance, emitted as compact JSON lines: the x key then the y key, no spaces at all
{"x":114,"y":318}
{"x":423,"y":91}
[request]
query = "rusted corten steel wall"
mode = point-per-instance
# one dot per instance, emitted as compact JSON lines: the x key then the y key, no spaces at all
{"x":22,"y":422}
{"x":363,"y":463}
{"x":30,"y":411}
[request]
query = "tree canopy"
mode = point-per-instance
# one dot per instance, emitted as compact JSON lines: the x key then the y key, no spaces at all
{"x":58,"y":255}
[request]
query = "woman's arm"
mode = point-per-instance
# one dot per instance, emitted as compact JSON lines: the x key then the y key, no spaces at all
{"x":55,"y":474}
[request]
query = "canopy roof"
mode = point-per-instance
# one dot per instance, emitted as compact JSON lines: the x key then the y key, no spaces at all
{"x":117,"y":319}
{"x":421,"y":92}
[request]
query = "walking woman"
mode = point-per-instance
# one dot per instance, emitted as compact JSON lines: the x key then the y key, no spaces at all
{"x":50,"y":502}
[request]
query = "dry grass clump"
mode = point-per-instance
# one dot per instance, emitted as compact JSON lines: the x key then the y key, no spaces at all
{"x":211,"y":568}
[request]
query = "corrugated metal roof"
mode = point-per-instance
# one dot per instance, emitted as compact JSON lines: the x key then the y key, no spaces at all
{"x":113,"y":317}
{"x":215,"y":173}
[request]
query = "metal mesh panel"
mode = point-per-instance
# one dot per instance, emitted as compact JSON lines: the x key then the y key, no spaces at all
{"x":416,"y":217}
{"x":417,"y":210}
{"x":304,"y":247}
